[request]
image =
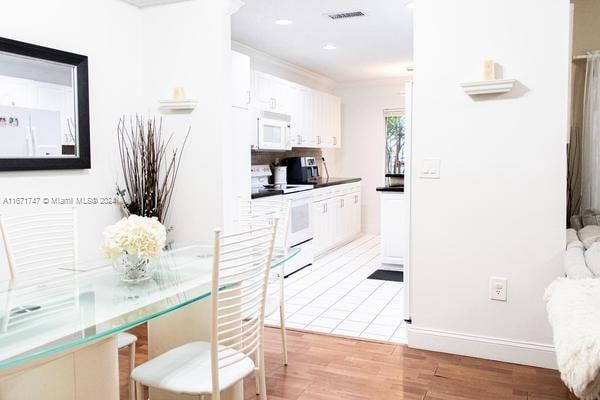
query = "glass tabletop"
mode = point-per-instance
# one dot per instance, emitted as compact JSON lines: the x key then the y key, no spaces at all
{"x":88,"y":303}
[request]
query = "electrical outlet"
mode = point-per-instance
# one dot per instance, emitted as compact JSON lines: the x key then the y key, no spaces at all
{"x":498,"y":288}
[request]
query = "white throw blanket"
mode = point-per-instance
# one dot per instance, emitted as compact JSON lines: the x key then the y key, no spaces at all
{"x":574,"y":312}
{"x":575,"y":263}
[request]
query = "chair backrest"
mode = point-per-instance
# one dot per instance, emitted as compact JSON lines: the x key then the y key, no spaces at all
{"x":239,"y":285}
{"x":37,"y":244}
{"x":259,"y":213}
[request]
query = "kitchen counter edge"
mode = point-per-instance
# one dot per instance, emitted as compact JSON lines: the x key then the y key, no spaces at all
{"x":266,"y":194}
{"x":334,"y":181}
{"x":397,"y":189}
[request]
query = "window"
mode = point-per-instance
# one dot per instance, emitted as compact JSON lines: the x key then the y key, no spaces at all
{"x":394,"y":141}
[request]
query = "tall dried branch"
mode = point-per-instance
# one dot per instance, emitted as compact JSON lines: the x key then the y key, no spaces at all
{"x":149,"y":169}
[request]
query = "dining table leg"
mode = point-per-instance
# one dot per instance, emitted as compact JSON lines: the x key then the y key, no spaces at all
{"x":86,"y":372}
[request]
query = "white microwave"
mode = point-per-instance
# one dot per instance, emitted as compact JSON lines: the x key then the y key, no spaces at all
{"x":274,"y":131}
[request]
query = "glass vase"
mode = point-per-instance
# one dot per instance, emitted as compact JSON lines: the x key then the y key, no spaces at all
{"x":133,"y":269}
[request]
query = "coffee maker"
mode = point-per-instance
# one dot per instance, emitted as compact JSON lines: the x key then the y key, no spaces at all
{"x":301,"y":169}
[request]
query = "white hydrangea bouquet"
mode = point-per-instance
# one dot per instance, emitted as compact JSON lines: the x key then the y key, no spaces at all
{"x":133,"y":243}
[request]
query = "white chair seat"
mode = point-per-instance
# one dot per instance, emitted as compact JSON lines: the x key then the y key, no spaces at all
{"x":124,"y":339}
{"x":187,"y":370}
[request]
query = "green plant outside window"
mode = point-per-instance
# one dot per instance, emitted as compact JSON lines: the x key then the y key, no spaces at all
{"x":394,"y":143}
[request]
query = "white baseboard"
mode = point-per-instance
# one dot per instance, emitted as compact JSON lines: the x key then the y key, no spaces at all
{"x":526,"y":353}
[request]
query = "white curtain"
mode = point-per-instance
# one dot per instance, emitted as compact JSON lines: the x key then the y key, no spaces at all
{"x":590,"y":163}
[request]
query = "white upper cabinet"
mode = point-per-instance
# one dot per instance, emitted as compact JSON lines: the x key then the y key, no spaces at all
{"x":331,"y":121}
{"x":315,"y":115}
{"x":271,"y":93}
{"x":240,"y":80}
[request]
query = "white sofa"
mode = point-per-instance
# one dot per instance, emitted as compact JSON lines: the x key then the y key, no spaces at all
{"x":573,"y":306}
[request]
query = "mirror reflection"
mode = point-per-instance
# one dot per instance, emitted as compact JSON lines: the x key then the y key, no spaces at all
{"x":38,"y":108}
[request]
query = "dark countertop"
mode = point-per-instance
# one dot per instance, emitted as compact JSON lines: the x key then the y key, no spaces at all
{"x":266,"y":193}
{"x":324,"y":182}
{"x":399,"y":189}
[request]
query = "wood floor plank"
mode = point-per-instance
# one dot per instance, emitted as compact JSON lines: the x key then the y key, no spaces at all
{"x":323,"y":367}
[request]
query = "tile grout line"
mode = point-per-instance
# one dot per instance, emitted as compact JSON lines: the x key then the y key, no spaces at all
{"x":328,"y":308}
{"x":366,"y":243}
{"x":340,"y":267}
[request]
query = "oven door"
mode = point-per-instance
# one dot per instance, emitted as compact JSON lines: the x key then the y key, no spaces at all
{"x":301,"y":219}
{"x":274,"y":133}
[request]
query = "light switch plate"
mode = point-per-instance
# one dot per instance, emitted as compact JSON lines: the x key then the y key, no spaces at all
{"x":429,"y":169}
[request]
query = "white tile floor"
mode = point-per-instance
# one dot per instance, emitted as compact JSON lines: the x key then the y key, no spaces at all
{"x":334,"y":296}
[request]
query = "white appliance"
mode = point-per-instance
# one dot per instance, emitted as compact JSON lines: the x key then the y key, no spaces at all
{"x":34,"y":133}
{"x":280,"y":175}
{"x":260,"y":182}
{"x":301,"y":218}
{"x":301,"y":230}
{"x":273,"y":131}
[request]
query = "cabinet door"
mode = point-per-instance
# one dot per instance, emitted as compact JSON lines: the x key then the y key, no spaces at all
{"x":341,"y":221}
{"x":301,"y":100}
{"x":240,"y":80}
{"x":297,"y":113}
{"x":317,"y":117}
{"x":355,"y":213}
{"x":308,"y":134}
{"x":320,"y":222}
{"x":393,"y":222}
{"x":280,"y":94}
{"x":331,"y":121}
{"x":336,"y":121}
{"x":332,"y":229}
{"x":262,"y":91}
{"x":271,"y":93}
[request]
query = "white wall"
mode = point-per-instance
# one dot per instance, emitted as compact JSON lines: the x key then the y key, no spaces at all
{"x":187,"y":44}
{"x":363,"y":139}
{"x":499,"y":207}
{"x":136,"y":56}
{"x":108,"y":32}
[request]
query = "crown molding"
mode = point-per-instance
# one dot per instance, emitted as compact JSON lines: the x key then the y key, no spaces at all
{"x":305,"y":72}
{"x":400,"y":80}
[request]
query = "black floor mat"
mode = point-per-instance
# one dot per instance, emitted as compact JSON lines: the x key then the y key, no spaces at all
{"x":385,"y":275}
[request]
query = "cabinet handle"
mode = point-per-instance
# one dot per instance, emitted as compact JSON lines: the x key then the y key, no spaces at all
{"x":318,"y":139}
{"x":342,"y":203}
{"x":335,"y":140}
{"x":324,"y":207}
{"x":249,"y":94}
{"x":355,"y":199}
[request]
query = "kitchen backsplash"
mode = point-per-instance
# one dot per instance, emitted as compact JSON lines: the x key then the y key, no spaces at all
{"x":264,"y":157}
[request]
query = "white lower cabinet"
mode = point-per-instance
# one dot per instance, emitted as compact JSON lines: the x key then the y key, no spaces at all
{"x":336,"y":215}
{"x":394,"y":222}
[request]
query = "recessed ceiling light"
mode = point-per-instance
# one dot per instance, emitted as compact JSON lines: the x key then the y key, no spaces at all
{"x":284,"y":22}
{"x":329,"y":47}
{"x":410,"y":4}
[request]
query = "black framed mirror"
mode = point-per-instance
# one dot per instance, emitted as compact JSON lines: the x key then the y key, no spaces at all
{"x":44,"y":108}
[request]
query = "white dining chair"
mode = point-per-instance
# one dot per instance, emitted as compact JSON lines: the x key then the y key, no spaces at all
{"x":43,"y":245}
{"x":241,"y":263}
{"x":257,"y":213}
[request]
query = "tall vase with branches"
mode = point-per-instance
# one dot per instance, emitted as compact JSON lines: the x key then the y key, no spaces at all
{"x":150,"y":166}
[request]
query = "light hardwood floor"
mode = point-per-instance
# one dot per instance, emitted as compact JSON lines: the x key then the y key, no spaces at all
{"x":323,"y":367}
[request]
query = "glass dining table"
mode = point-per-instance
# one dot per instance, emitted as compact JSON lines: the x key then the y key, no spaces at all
{"x":84,"y":304}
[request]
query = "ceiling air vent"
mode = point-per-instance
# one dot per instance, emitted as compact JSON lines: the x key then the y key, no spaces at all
{"x":352,"y":14}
